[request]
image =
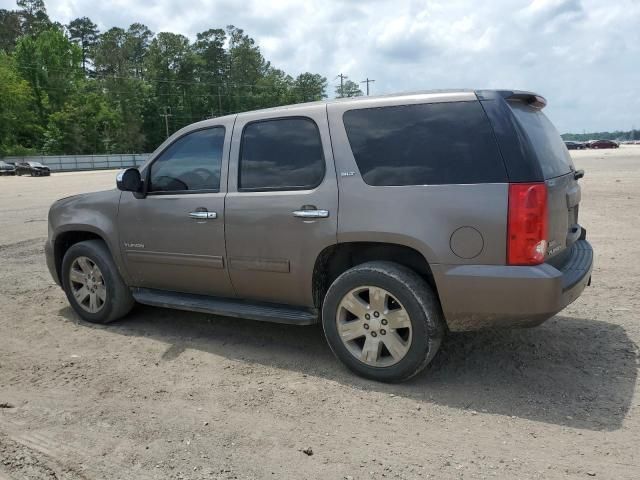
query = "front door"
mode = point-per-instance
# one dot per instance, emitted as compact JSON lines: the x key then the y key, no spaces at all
{"x":282,"y":204}
{"x":173,"y":238}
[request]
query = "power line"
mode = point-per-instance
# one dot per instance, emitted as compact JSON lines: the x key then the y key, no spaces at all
{"x":368,"y":81}
{"x":105,"y":76}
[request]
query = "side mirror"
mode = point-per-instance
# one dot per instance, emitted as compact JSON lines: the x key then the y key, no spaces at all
{"x":129,"y":180}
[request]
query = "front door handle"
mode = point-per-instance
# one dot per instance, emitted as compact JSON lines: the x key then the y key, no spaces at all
{"x":311,"y":213}
{"x":203,"y":215}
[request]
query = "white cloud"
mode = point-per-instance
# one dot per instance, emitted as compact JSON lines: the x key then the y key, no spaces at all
{"x":581,"y":54}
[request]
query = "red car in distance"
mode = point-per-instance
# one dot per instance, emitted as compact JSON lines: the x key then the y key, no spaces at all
{"x":602,"y":144}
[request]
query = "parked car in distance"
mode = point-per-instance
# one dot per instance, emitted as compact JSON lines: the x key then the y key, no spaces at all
{"x":602,"y":144}
{"x":571,"y":145}
{"x":444,"y":223}
{"x":7,"y":168}
{"x":35,"y":169}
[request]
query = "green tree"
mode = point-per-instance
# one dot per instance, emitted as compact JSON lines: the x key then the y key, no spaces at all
{"x":33,"y":14}
{"x":86,"y":124}
{"x":10,"y":29}
{"x":118,"y":56}
{"x":96,"y":92}
{"x":51,"y":64}
{"x":310,"y":87}
{"x":85,"y":33}
{"x":246,"y":67}
{"x":211,"y":65}
{"x":19,"y":131}
{"x":349,"y":89}
{"x":110,"y":53}
{"x":138,"y":38}
{"x":212,"y":57}
{"x":273,"y":89}
{"x":170,"y":68}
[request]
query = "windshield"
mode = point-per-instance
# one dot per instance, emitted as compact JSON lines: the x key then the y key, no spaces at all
{"x":36,"y":164}
{"x":547,"y":144}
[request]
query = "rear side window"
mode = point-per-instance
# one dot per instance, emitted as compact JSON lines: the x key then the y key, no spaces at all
{"x":281,"y":154}
{"x":550,"y":151}
{"x":426,"y":144}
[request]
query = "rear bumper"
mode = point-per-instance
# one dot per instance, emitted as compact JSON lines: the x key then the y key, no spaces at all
{"x":474,"y":297}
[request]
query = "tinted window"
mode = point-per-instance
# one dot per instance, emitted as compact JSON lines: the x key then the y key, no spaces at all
{"x":190,"y":163}
{"x":545,"y":140}
{"x":283,"y":154}
{"x":424,"y":144}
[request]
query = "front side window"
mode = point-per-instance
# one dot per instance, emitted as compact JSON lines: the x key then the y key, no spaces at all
{"x":281,"y":154}
{"x":191,"y":163}
{"x":424,"y":144}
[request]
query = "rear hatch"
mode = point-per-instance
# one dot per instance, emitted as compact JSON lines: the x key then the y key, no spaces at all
{"x":563,"y":191}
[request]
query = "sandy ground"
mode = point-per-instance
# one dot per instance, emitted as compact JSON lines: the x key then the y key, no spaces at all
{"x":166,"y":394}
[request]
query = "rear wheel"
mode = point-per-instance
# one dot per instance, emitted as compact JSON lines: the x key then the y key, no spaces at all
{"x":92,"y":283}
{"x":382,"y":321}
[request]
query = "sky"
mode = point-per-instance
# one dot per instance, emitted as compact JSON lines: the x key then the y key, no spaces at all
{"x":582,"y":55}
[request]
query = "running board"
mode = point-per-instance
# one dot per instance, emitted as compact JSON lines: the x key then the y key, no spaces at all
{"x":226,"y":307}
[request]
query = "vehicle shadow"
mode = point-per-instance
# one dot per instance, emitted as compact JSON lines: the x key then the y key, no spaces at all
{"x":574,"y":372}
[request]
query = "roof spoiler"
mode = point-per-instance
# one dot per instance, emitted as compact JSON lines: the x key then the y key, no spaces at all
{"x":532,"y":99}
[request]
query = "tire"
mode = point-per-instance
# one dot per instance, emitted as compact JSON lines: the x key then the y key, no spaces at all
{"x":404,"y":289}
{"x":117,"y":300}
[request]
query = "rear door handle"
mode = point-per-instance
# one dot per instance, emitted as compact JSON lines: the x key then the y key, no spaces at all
{"x":203,"y":215}
{"x":311,"y":213}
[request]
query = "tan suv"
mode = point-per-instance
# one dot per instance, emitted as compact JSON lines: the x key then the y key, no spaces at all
{"x":389,"y":219}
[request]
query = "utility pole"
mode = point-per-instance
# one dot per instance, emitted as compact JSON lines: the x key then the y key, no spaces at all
{"x":342,"y":79}
{"x":367,"y":81}
{"x":166,"y":116}
{"x":219,"y":101}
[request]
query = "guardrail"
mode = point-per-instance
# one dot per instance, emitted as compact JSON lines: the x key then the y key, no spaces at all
{"x":69,"y":163}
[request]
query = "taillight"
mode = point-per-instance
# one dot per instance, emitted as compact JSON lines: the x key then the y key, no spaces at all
{"x":527,"y":224}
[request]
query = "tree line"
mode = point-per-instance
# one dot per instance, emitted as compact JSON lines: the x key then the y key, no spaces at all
{"x":71,"y":89}
{"x":617,"y":135}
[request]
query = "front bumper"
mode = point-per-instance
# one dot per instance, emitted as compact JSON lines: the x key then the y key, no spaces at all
{"x":474,"y":297}
{"x":51,"y":261}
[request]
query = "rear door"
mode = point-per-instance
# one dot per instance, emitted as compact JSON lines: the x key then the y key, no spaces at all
{"x":558,"y":172}
{"x":282,"y":205}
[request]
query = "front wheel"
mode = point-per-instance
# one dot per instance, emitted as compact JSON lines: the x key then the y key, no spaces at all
{"x":92,"y":283}
{"x":383,"y":321}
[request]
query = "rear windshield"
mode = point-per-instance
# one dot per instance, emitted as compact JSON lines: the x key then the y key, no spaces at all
{"x":424,"y":144}
{"x":545,"y":140}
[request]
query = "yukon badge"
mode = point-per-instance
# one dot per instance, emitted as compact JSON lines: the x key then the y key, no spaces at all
{"x":347,"y":174}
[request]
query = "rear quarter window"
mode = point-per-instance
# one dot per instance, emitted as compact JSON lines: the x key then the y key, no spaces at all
{"x":546,"y":143}
{"x":425,"y":144}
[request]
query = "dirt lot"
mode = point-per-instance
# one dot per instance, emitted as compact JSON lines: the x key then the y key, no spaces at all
{"x":165,"y":394}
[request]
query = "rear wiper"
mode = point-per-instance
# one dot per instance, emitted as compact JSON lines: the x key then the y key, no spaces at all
{"x":578,"y":174}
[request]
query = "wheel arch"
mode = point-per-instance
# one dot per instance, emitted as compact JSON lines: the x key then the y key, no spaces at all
{"x":65,"y":239}
{"x":336,"y":259}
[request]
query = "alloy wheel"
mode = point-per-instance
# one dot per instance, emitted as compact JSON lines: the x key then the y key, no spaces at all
{"x":374,"y":326}
{"x":87,"y":284}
